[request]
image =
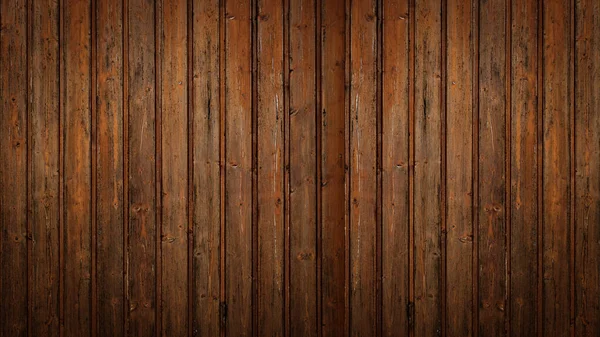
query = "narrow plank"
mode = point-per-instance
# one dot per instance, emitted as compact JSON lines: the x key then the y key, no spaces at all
{"x":556,"y":168}
{"x":491,"y":208}
{"x":237,"y":311}
{"x":459,"y":174}
{"x":13,"y":168}
{"x":363,"y":161}
{"x":174,"y":239}
{"x":587,"y":216}
{"x":524,"y":167}
{"x":333,"y":48}
{"x":427,"y":168}
{"x":206,"y":188}
{"x":303,"y":169}
{"x":44,"y":124}
{"x":110,"y":168}
{"x":270,"y":156}
{"x":141,"y":149}
{"x":77,"y":287}
{"x":395,"y":164}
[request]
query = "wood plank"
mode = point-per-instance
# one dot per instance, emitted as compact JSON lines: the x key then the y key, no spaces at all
{"x":459,"y":173}
{"x":333,"y":165}
{"x":524,"y":169}
{"x":427,"y":168}
{"x":302,"y":136}
{"x":44,"y":151}
{"x":556,"y":168}
{"x":110,"y":174}
{"x":13,"y":169}
{"x":236,"y":313}
{"x":142,"y":231}
{"x":491,"y":208}
{"x":270,"y":139}
{"x":77,"y":123}
{"x":395,"y":184}
{"x":174,"y":111}
{"x":206,"y":176}
{"x":587,"y":212}
{"x":363,"y":166}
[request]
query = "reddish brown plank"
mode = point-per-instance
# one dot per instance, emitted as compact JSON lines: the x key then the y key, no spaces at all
{"x":556,"y":168}
{"x":395,"y":150}
{"x":13,"y":168}
{"x":174,"y":111}
{"x":77,"y":124}
{"x":236,"y":313}
{"x":206,"y":176}
{"x":524,"y":168}
{"x":333,"y":158}
{"x":110,"y":175}
{"x":427,"y":168}
{"x":491,"y":208}
{"x":587,"y":216}
{"x":142,"y":230}
{"x":303,"y":163}
{"x":270,"y":157}
{"x":44,"y":151}
{"x":459,"y":174}
{"x":363,"y":161}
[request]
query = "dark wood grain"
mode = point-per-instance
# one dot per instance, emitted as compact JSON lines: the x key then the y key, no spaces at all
{"x":110,"y":174}
{"x":556,"y":169}
{"x":459,"y":174}
{"x":206,"y":175}
{"x":238,"y":172}
{"x":174,"y":137}
{"x":13,"y":169}
{"x":587,"y":142}
{"x":44,"y":166}
{"x":524,"y":170}
{"x":143,"y":217}
{"x":303,"y":168}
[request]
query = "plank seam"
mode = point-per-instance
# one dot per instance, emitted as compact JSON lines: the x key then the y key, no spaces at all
{"x":443,"y":169}
{"x":190,"y":163}
{"x":508,"y":163}
{"x":222,"y":175}
{"x":158,"y":25}
{"x":540,"y":170}
{"x":411,"y":166}
{"x":475,"y":167}
{"x":125,"y":98}
{"x":378,"y":186}
{"x":318,"y":163}
{"x":572,"y":189}
{"x":94,"y":170}
{"x":29,"y":163}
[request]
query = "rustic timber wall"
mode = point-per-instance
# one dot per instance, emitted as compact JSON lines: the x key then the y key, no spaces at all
{"x":300,"y":168}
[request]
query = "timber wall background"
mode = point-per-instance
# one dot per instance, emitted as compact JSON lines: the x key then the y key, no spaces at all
{"x":300,"y":167}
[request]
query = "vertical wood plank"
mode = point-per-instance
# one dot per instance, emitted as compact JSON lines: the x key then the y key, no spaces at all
{"x":395,"y":161}
{"x":270,"y":156}
{"x":303,"y":163}
{"x":363,"y":161}
{"x":491,"y":208}
{"x":427,"y":169}
{"x":206,"y":188}
{"x":587,"y":141}
{"x":77,"y":287}
{"x":524,"y":177}
{"x":174,"y":133}
{"x":238,"y":179}
{"x":556,"y":168}
{"x":110,"y":168}
{"x":333,"y":160}
{"x":459,"y":114}
{"x":142,"y":231}
{"x":44,"y":124}
{"x":13,"y":168}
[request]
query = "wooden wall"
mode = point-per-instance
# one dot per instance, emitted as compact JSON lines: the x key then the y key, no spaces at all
{"x":300,"y":168}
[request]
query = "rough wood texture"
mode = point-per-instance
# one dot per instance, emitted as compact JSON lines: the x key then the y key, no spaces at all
{"x":299,"y":168}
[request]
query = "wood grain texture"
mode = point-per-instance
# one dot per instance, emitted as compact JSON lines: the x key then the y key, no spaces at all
{"x":206,"y":175}
{"x":13,"y":169}
{"x":142,"y":150}
{"x":110,"y":170}
{"x":299,"y":167}
{"x":587,"y":184}
{"x":303,"y":158}
{"x":44,"y":166}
